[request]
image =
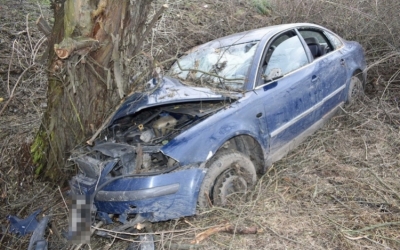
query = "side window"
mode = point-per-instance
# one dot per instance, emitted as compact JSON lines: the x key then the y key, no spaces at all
{"x":318,"y":43}
{"x":284,"y":55}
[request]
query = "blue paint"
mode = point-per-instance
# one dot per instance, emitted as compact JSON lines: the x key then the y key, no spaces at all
{"x":270,"y":86}
{"x":272,"y":113}
{"x":169,"y":91}
{"x":22,"y":227}
{"x":155,"y":209}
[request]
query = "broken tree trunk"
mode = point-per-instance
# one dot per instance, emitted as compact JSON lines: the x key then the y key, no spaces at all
{"x":88,"y":73}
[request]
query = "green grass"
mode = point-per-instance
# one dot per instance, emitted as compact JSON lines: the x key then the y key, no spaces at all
{"x":263,"y":6}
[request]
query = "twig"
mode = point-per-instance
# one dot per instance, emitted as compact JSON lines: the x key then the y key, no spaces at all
{"x":150,"y":27}
{"x":344,"y":205}
{"x":384,"y":184}
{"x":366,"y":148}
{"x":9,"y":69}
{"x":389,"y":82}
{"x":30,"y":201}
{"x":62,"y":196}
{"x":15,"y":86}
{"x":137,"y":234}
{"x":5,"y":233}
{"x":355,"y":238}
{"x":25,"y":203}
{"x":91,"y":140}
{"x":27,"y":31}
{"x":347,"y":113}
{"x":208,"y":73}
{"x":37,"y":47}
{"x":387,"y":224}
{"x":93,"y":229}
{"x":334,"y":222}
{"x":183,"y":246}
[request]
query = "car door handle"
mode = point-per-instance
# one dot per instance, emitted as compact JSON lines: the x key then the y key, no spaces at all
{"x":342,"y":62}
{"x":314,"y":78}
{"x":259,"y":115}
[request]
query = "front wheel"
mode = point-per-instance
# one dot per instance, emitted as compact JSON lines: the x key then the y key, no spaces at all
{"x":229,"y":173}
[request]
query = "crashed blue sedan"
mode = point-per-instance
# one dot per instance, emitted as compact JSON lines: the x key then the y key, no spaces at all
{"x":223,"y":113}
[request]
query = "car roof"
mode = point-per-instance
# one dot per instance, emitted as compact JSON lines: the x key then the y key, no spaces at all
{"x":253,"y":35}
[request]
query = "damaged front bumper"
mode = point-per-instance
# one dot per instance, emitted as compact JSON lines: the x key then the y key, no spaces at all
{"x":154,"y":197}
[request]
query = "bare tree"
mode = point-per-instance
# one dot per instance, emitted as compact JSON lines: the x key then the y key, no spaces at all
{"x":90,"y":48}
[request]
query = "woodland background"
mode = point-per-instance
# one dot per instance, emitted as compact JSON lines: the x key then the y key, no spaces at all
{"x":339,"y":190}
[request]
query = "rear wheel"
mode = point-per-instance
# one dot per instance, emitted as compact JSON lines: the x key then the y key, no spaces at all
{"x":229,"y":173}
{"x":356,"y":89}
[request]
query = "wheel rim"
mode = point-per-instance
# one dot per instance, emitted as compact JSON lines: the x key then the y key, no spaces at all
{"x":229,"y":172}
{"x":232,"y":182}
{"x":356,"y":89}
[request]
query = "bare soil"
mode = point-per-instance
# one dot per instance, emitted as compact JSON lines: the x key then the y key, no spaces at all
{"x":338,"y":190}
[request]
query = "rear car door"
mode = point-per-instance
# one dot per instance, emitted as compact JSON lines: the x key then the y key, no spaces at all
{"x":330,"y":67}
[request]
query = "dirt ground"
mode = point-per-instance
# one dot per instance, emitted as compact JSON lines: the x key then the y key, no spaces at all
{"x":338,"y":190}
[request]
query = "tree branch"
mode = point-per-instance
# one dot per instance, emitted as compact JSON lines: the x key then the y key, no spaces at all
{"x":150,"y":27}
{"x":43,"y":26}
{"x":69,"y":46}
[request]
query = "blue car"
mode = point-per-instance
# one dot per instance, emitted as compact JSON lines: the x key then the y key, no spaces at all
{"x":205,"y":130}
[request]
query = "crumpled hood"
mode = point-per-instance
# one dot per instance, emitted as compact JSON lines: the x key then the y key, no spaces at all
{"x":169,"y":91}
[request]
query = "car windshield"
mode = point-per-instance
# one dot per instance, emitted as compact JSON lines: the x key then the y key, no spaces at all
{"x":224,"y":67}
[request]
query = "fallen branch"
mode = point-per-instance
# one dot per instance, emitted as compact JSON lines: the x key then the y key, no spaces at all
{"x":356,"y":238}
{"x":228,"y":228}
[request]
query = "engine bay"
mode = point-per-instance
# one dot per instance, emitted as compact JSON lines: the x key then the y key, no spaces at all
{"x":135,"y":141}
{"x":157,"y":126}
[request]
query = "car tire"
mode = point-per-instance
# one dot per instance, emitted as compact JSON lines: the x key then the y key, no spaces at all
{"x":356,"y":89}
{"x":229,"y":172}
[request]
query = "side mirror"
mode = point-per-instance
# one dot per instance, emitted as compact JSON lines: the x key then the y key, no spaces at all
{"x":274,"y":74}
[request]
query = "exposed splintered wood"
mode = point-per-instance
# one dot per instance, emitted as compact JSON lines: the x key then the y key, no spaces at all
{"x":101,"y":7}
{"x":82,"y":46}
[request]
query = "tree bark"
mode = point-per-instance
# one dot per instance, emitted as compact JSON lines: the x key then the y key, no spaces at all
{"x":88,"y":73}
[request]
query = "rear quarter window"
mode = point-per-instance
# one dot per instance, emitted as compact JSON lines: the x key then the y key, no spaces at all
{"x":335,"y":41}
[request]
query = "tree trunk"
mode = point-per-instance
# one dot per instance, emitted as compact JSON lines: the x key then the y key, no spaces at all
{"x":88,"y":73}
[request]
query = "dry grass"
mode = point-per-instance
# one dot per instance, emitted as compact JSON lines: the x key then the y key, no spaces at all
{"x":339,"y":190}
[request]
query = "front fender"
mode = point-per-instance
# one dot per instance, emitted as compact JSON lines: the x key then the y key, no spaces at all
{"x":199,"y":143}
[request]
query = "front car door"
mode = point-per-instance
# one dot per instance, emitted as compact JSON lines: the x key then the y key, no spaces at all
{"x":285,"y":80}
{"x":302,"y":86}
